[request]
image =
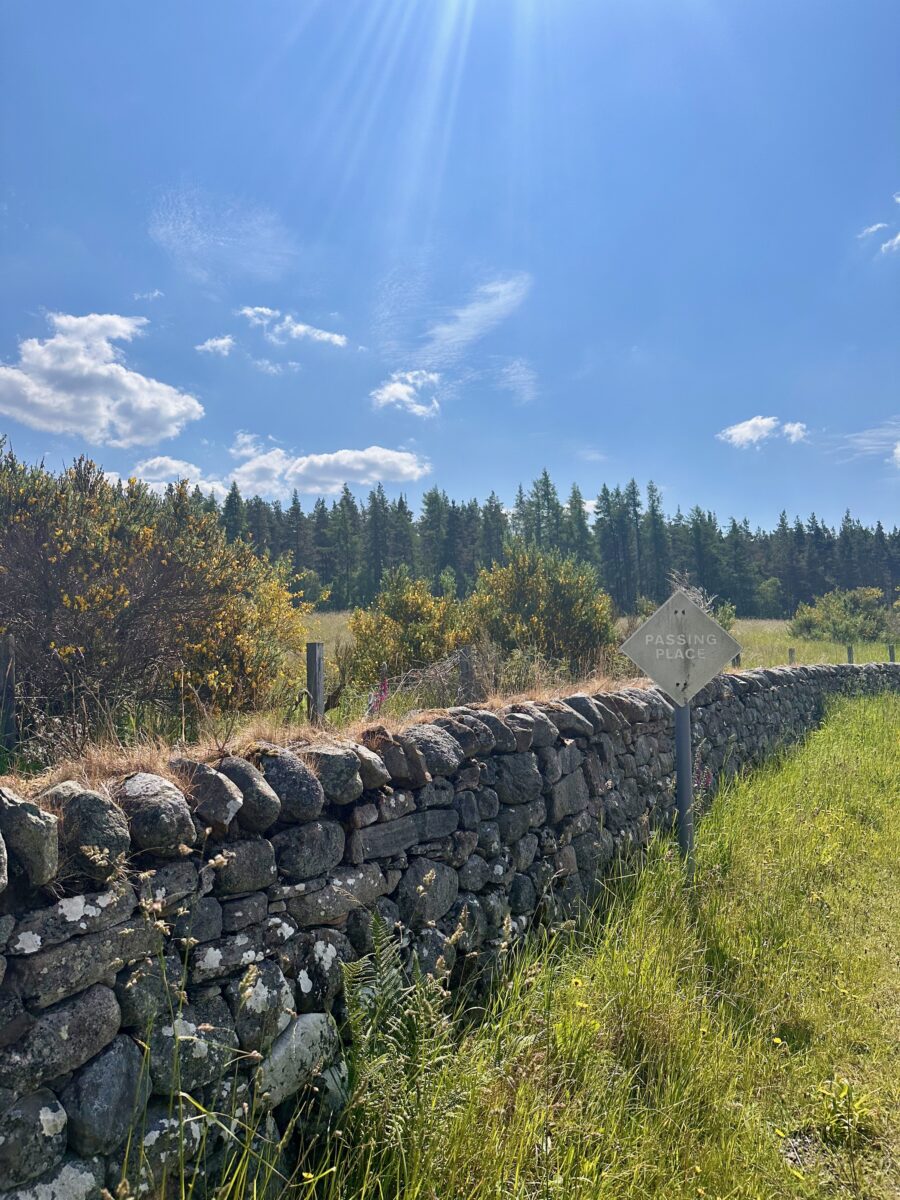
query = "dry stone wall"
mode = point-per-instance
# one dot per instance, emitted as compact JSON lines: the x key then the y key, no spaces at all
{"x":159,"y":939}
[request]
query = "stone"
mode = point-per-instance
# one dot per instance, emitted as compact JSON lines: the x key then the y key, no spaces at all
{"x":4,"y":865}
{"x":32,"y":1137}
{"x":320,"y":978}
{"x":568,"y":796}
{"x":570,"y":757}
{"x":401,"y":759}
{"x":362,"y":815}
{"x":486,"y":742}
{"x":488,"y":804}
{"x":337,"y":769}
{"x":226,"y":955}
{"x":305,"y":851}
{"x":372,"y":770}
{"x":93,"y":833}
{"x":31,"y":837}
{"x":504,"y":738}
{"x":106,"y":1097}
{"x":302,"y":796}
{"x":348,"y":888}
{"x":549,"y":765}
{"x":261,"y":806}
{"x":524,"y":852}
{"x":15,"y":1021}
{"x":309,"y":1044}
{"x":566,"y":719}
{"x":522,"y":728}
{"x":466,"y":923}
{"x":426,"y":891}
{"x":159,"y":819}
{"x":474,"y":874}
{"x":393,"y":837}
{"x":543,"y":732}
{"x":52,"y":974}
{"x":514,"y":777}
{"x":72,"y":1178}
{"x":433,"y":953}
{"x":249,"y":867}
{"x":396,"y":804}
{"x":201,"y":920}
{"x":442,"y":753}
{"x":62,"y":1039}
{"x":70,"y":917}
{"x":168,"y":884}
{"x":468,"y":739}
{"x":149,"y":988}
{"x":216,"y":800}
{"x":248,"y":910}
{"x":165,"y":1140}
{"x":466,"y":804}
{"x":522,"y":895}
{"x":489,"y":838}
{"x":360,"y":923}
{"x":192,"y":1047}
{"x":513,"y":821}
{"x":261,"y":1004}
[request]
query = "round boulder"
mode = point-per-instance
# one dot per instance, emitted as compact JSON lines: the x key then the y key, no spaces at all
{"x":158,"y":816}
{"x":105,"y":1097}
{"x":261,"y":807}
{"x":302,"y":796}
{"x":93,"y":833}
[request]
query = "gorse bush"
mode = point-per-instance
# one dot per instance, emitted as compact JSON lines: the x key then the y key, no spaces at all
{"x":859,"y":615}
{"x":117,"y":596}
{"x":542,"y":601}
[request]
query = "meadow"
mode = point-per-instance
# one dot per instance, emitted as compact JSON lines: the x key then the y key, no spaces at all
{"x":766,"y":644}
{"x":735,"y":1038}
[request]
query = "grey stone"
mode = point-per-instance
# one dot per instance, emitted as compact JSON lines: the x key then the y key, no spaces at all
{"x":570,"y":757}
{"x":566,"y":719}
{"x":514,"y":777}
{"x":441,"y":752}
{"x":70,"y":917}
{"x":433,"y":953}
{"x":522,"y":895}
{"x":32,"y":1137}
{"x":474,"y":874}
{"x":302,"y":796}
{"x":360,"y":923}
{"x":93,"y":833}
{"x":337,"y":769}
{"x":403,"y":761}
{"x":192,"y":1046}
{"x":362,"y":815}
{"x":466,"y":923}
{"x":147,"y":989}
{"x":466,"y":736}
{"x":216,"y":800}
{"x":396,"y":804}
{"x":466,"y":805}
{"x":522,"y":728}
{"x":504,"y":738}
{"x":372,"y":770}
{"x":321,"y":976}
{"x":249,"y":867}
{"x":426,"y":891}
{"x":105,"y":1098}
{"x":31,"y":838}
{"x":248,"y":910}
{"x":165,"y":1140}
{"x":543,"y":733}
{"x":62,"y":1039}
{"x":308,"y":1044}
{"x":226,"y":955}
{"x":348,"y":888}
{"x":524,"y":851}
{"x":262,"y":1005}
{"x":261,"y":807}
{"x":549,"y":765}
{"x":15,"y":1021}
{"x":72,"y":1178}
{"x":59,"y":971}
{"x":305,"y":851}
{"x":200,"y":920}
{"x":393,"y":837}
{"x":495,"y":905}
{"x":159,"y":819}
{"x":513,"y":821}
{"x":568,"y":796}
{"x":488,"y":804}
{"x":168,"y":884}
{"x":489,"y":838}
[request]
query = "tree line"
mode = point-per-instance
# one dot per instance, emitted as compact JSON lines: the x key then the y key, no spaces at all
{"x":340,"y":550}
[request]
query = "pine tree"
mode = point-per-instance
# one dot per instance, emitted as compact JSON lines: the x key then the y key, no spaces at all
{"x":494,"y":532}
{"x":576,"y":533}
{"x":234,"y":518}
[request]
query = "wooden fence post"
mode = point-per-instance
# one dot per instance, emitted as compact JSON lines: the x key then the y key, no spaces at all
{"x":849,"y":654}
{"x":891,"y":654}
{"x":315,"y":681}
{"x":8,"y":692}
{"x":792,"y":655}
{"x":736,"y":661}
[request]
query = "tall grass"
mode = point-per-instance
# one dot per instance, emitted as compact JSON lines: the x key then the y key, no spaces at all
{"x":766,"y":644}
{"x":732,"y":1039}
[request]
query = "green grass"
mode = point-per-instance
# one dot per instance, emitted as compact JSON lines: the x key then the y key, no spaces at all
{"x":766,"y":644}
{"x":734,"y":1039}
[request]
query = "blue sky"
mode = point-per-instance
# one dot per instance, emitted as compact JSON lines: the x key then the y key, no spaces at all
{"x":457,"y":241}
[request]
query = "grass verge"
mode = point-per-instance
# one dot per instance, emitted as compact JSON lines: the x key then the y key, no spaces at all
{"x":733,"y":1040}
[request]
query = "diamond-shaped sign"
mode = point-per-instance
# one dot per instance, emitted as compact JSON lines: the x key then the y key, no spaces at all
{"x":681,"y":648}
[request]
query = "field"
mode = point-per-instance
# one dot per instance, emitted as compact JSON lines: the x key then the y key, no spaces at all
{"x":733,"y":1039}
{"x":766,"y":644}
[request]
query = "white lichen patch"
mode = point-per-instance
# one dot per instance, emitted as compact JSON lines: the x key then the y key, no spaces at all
{"x":211,"y":959}
{"x":76,"y":908}
{"x":305,"y":982}
{"x":325,"y":954}
{"x":257,"y":999}
{"x":53,"y":1120}
{"x":27,"y":943}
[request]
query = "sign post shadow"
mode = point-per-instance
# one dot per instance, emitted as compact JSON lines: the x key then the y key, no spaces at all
{"x":681,"y":648}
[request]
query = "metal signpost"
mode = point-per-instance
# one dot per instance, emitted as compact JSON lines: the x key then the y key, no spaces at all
{"x":681,"y":648}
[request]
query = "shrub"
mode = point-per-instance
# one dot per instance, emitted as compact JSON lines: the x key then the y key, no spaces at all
{"x":859,"y":615}
{"x":117,"y":596}
{"x":405,"y":627}
{"x":541,"y":601}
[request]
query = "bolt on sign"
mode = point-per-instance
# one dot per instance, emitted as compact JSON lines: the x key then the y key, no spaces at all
{"x":681,"y":648}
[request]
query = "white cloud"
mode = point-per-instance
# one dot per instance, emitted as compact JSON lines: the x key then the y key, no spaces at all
{"x":895,"y":457}
{"x":217,"y":345}
{"x":794,"y":431}
{"x":406,"y":389}
{"x":212,"y":237}
{"x":276,"y":472}
{"x":878,"y":440}
{"x":490,"y":304}
{"x":278,"y":331}
{"x":892,"y":245}
{"x":870,"y":229}
{"x":274,"y":368}
{"x":162,"y":470}
{"x":749,"y":433}
{"x":155,"y":294}
{"x":75,"y":382}
{"x":245,"y":445}
{"x":519,"y":377}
